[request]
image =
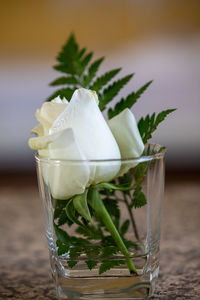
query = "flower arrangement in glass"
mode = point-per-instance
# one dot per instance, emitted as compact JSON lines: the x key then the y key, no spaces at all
{"x":101,"y":183}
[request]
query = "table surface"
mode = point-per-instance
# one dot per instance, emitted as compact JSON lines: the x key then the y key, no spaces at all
{"x":24,"y":265}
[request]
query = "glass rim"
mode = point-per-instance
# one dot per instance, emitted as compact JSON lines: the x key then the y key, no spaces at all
{"x":142,"y":158}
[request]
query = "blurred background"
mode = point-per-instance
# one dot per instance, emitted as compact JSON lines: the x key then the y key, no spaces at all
{"x":157,"y":40}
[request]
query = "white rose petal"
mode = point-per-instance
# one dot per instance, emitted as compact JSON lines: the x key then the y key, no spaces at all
{"x":59,"y":100}
{"x":42,"y":142}
{"x":38,"y":129}
{"x":96,"y":140}
{"x":125,"y":130}
{"x":49,"y":112}
{"x":65,"y":178}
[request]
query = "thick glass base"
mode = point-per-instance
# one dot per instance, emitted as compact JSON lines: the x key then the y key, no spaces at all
{"x":78,"y":282}
{"x":117,"y":283}
{"x":103,"y":288}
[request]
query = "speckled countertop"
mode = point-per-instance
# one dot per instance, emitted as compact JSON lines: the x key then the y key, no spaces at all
{"x":24,"y":265}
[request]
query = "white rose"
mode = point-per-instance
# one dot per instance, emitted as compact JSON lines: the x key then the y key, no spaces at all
{"x":48,"y":114}
{"x":125,"y":130}
{"x":78,"y":131}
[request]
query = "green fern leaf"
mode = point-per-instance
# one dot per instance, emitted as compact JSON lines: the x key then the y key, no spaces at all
{"x":75,"y":252}
{"x":149,"y":124}
{"x":89,"y":232}
{"x":71,"y":48}
{"x":104,"y":79}
{"x":81,"y":52}
{"x":84,"y":62}
{"x":93,"y":252}
{"x":62,"y":235}
{"x":124,"y":227}
{"x":109,"y":251}
{"x":128,"y":102}
{"x":64,"y":80}
{"x":63,"y":93}
{"x":72,"y":263}
{"x":63,"y":219}
{"x":91,"y":264}
{"x":69,"y":57}
{"x":139,"y":198}
{"x":109,"y":264}
{"x":62,"y":248}
{"x":92,"y":71}
{"x":112,"y":90}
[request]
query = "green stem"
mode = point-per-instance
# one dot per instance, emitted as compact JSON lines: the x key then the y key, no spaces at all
{"x":97,"y":204}
{"x":131,"y":217}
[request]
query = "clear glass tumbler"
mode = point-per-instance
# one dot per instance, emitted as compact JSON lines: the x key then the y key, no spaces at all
{"x":103,"y":242}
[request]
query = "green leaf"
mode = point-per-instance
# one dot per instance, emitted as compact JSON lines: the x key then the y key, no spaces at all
{"x":60,"y":214}
{"x":109,"y":264}
{"x":149,"y":124}
{"x":124,"y":227}
{"x":69,"y":57}
{"x":92,"y":71}
{"x":70,"y":47}
{"x":108,"y":241}
{"x":62,"y":235}
{"x":139,"y":198}
{"x":64,"y":80}
{"x":128,"y":102}
{"x":63,"y":93}
{"x":93,"y":251}
{"x":63,"y":219}
{"x":62,"y":248}
{"x":129,"y":244}
{"x":148,"y":150}
{"x":104,"y":79}
{"x":84,"y":62}
{"x":75,"y":252}
{"x":126,"y":179}
{"x":57,"y":213}
{"x":112,"y":90}
{"x":77,"y":241}
{"x":71,"y":213}
{"x":112,"y":208}
{"x":91,"y":264}
{"x":72,"y":263}
{"x":81,"y":52}
{"x":60,"y":203}
{"x":109,"y":251}
{"x":90,"y":232}
{"x":80,"y":204}
{"x":161,"y":149}
{"x":111,"y":186}
{"x":140,"y":172}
